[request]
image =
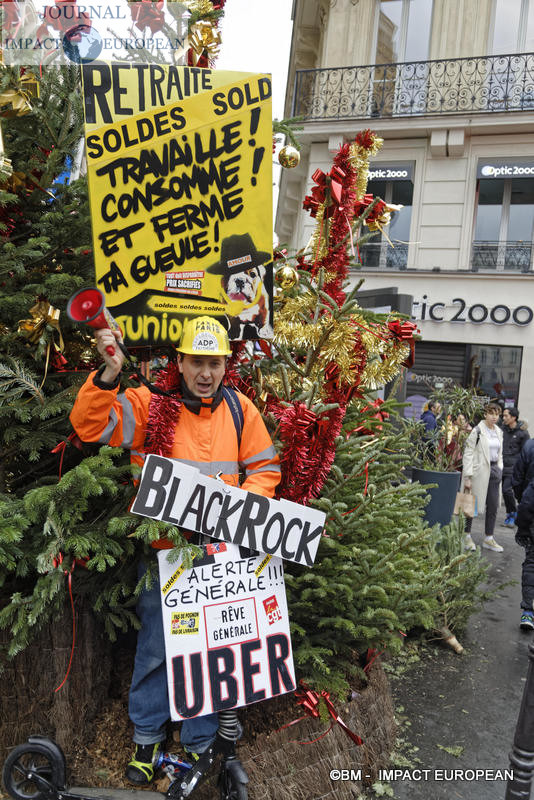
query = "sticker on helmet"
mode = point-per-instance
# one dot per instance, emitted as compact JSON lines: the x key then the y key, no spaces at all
{"x":205,"y":341}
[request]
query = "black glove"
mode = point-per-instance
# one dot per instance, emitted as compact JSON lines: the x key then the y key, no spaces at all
{"x":523,"y":538}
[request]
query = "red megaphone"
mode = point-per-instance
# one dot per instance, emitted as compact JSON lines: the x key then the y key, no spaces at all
{"x":89,"y":306}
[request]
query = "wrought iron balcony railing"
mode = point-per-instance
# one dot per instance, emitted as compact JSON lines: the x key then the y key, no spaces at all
{"x":513,"y":256}
{"x":451,"y":86}
{"x":381,"y":254}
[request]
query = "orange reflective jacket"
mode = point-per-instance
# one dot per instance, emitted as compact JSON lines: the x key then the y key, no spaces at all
{"x":206,"y":440}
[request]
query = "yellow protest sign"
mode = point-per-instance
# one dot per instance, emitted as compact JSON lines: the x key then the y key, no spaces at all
{"x":180,"y":184}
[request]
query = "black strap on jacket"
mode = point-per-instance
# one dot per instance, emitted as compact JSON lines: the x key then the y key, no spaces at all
{"x":232,"y":401}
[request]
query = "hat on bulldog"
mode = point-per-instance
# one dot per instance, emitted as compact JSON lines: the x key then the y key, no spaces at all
{"x":238,"y":253}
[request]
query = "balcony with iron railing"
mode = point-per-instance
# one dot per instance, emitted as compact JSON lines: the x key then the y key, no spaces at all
{"x":453,"y":86}
{"x":503,"y":256}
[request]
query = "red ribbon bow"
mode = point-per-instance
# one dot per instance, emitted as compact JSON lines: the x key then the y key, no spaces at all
{"x":365,"y":138}
{"x":309,"y":700}
{"x":148,"y":14}
{"x":332,"y":180}
{"x":404,"y":331}
{"x":74,"y":439}
{"x":362,"y":205}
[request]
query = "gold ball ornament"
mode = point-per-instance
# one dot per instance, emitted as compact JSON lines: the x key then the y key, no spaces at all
{"x":286,"y":277}
{"x":87,"y":356}
{"x":289,"y":156}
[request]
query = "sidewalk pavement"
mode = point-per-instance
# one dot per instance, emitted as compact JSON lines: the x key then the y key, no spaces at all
{"x":470,"y":701}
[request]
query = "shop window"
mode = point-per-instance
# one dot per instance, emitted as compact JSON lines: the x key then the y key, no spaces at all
{"x":496,"y":371}
{"x":378,"y":252}
{"x":504,"y":224}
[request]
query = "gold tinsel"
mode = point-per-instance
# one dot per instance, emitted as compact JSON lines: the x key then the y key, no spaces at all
{"x":318,"y":243}
{"x":359,"y":157}
{"x":200,"y":7}
{"x":300,"y":307}
{"x":15,"y":100}
{"x":204,"y":39}
{"x":6,"y":170}
{"x":341,"y":342}
{"x":297,"y":334}
{"x":378,"y":372}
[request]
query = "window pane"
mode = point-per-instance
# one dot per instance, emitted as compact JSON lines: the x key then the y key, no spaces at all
{"x":519,"y":234}
{"x":489,"y":210}
{"x":400,"y":221}
{"x":529,"y":43}
{"x":418,"y":33}
{"x":370,"y":251}
{"x":499,"y":367}
{"x":387,"y":45}
{"x":521,"y":210}
{"x":506,"y":28}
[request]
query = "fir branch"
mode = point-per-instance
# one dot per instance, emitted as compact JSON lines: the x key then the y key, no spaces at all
{"x":16,"y":381}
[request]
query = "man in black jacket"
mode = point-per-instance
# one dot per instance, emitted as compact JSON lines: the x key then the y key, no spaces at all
{"x":523,"y":485}
{"x":514,"y":438}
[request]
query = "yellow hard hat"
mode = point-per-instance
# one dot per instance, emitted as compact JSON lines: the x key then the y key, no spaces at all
{"x":204,"y":336}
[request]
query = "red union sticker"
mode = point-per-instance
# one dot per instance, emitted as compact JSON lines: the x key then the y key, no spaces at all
{"x":216,"y":547}
{"x":272,"y":609}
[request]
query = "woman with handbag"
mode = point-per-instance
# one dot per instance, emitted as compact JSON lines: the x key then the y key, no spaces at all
{"x":482,"y":472}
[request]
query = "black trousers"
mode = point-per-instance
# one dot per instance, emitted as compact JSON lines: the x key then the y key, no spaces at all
{"x":507,"y":491}
{"x":527,"y":571}
{"x":492,"y":503}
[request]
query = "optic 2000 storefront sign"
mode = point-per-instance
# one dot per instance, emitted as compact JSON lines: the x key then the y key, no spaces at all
{"x":460,"y":310}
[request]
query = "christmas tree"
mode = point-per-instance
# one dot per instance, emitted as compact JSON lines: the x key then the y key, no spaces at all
{"x":380,"y":571}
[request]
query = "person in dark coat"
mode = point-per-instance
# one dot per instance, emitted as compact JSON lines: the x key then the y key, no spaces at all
{"x":523,"y":486}
{"x":514,"y":438}
{"x":429,"y":417}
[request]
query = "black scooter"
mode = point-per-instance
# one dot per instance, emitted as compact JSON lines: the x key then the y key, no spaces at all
{"x":37,"y":770}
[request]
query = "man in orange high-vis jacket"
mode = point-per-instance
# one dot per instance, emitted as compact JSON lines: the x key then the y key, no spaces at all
{"x":198,"y":427}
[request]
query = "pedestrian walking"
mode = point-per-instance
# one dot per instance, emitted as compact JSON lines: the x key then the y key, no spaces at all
{"x":523,"y":486}
{"x":482,"y":473}
{"x":514,"y":438}
{"x":429,"y":417}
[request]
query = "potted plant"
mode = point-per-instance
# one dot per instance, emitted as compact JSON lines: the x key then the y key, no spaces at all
{"x":438,"y":453}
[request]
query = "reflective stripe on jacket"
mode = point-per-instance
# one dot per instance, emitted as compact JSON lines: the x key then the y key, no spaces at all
{"x":206,"y":440}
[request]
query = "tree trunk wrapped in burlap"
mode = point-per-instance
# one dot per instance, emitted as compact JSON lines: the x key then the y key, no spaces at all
{"x":282,"y":765}
{"x":28,"y":702}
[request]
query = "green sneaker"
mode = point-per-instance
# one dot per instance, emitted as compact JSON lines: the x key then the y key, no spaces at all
{"x":140,"y":769}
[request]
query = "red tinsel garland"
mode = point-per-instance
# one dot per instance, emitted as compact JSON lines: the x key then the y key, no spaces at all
{"x":336,"y":261}
{"x":163,"y":414}
{"x":308,"y":449}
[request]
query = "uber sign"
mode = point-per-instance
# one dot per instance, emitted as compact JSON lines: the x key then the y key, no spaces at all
{"x":179,"y":494}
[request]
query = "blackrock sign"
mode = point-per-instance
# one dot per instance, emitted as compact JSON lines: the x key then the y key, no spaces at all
{"x":179,"y":494}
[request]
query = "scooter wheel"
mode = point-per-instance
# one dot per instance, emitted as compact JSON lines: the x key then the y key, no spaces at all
{"x":232,"y":784}
{"x":30,"y":757}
